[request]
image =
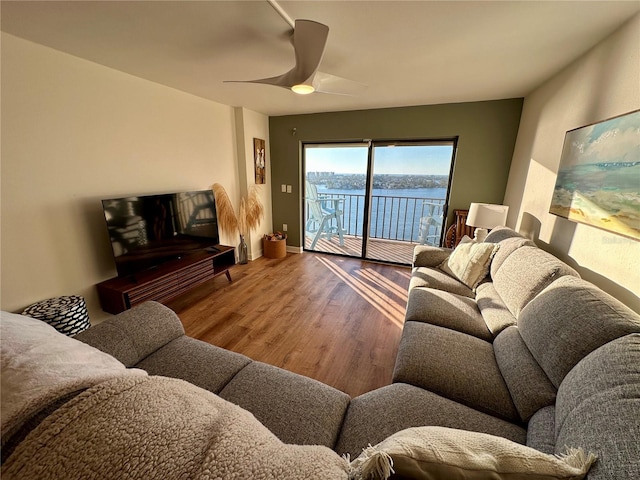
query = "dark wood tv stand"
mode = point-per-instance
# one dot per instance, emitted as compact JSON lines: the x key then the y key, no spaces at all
{"x":165,"y":281}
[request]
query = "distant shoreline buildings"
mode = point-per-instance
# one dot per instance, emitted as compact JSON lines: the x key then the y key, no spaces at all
{"x":357,"y":181}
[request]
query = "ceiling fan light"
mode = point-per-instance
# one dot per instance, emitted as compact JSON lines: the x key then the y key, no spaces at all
{"x":303,"y":89}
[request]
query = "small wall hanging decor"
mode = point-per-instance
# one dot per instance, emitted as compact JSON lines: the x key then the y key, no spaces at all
{"x":598,"y":181}
{"x":259,"y":160}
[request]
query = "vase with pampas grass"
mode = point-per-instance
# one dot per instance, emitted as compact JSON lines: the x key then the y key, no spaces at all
{"x":248,"y":218}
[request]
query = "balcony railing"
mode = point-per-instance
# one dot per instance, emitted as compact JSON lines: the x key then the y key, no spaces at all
{"x":408,"y":219}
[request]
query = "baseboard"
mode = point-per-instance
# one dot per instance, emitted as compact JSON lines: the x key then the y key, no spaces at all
{"x":290,"y":249}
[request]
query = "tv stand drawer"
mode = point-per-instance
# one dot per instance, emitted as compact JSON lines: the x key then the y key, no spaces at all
{"x":166,"y":282}
{"x":152,"y":290}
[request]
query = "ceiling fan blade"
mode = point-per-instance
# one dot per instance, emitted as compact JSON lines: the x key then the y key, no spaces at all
{"x":276,"y":81}
{"x":327,"y":83}
{"x":309,"y":40}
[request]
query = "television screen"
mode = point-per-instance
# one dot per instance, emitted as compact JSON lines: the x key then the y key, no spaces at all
{"x":146,"y":231}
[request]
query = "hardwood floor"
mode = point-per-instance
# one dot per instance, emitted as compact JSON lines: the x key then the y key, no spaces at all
{"x":334,"y":319}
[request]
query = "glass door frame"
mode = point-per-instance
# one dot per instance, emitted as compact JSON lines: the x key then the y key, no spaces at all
{"x":371,"y":145}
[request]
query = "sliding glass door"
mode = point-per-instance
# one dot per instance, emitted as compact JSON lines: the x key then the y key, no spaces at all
{"x":335,"y":178}
{"x":410,"y":183}
{"x":376,"y":200}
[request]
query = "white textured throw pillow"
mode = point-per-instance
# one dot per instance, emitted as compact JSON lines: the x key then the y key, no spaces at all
{"x":432,"y":453}
{"x":40,"y":364}
{"x":470,"y":261}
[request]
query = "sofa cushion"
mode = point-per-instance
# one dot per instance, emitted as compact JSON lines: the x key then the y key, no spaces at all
{"x":429,"y":256}
{"x":524,"y":274}
{"x":501,"y":233}
{"x":374,"y":416}
{"x":134,"y":334}
{"x":447,"y":310}
{"x":470,"y":261}
{"x":598,"y":408}
{"x":530,"y":388}
{"x":454,"y":365}
{"x":296,"y":409}
{"x":541,"y":430}
{"x":427,"y":453}
{"x":507,"y":247}
{"x":495,"y":313}
{"x":437,"y":279}
{"x":570,"y":319}
{"x":197,"y":362}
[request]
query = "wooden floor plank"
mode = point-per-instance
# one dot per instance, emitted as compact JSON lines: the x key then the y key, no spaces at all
{"x":331,"y":318}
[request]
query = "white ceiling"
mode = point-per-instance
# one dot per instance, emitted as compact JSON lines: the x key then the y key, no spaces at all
{"x":408,"y":53}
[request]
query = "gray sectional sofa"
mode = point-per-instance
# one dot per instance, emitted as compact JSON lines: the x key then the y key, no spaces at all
{"x":535,"y":355}
{"x":550,"y":358}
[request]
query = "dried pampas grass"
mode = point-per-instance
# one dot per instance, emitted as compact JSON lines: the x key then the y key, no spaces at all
{"x":249,"y":215}
{"x":226,"y":216}
{"x":251,"y":211}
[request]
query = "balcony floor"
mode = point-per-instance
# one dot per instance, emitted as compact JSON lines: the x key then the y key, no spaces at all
{"x":382,"y":250}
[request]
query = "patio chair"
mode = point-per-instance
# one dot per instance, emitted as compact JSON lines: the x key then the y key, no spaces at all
{"x":324,"y":216}
{"x":430,"y":223}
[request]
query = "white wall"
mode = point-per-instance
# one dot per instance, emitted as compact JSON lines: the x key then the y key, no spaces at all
{"x":250,"y":125}
{"x":603,"y":83}
{"x":74,"y":132}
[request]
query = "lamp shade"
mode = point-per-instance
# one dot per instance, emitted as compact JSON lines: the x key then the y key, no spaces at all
{"x":487,"y":215}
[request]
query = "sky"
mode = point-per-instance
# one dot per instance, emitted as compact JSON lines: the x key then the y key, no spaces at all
{"x":413,"y":160}
{"x":614,"y":140}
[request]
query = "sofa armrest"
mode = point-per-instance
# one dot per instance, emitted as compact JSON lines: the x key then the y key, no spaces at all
{"x":134,"y":334}
{"x":429,"y":256}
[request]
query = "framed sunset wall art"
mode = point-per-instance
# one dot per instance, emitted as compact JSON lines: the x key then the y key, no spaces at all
{"x":598,"y":181}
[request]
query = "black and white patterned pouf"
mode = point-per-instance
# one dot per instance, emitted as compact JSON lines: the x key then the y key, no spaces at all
{"x":68,"y":315}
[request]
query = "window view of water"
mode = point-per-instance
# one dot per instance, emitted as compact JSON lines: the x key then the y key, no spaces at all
{"x":396,"y":213}
{"x":409,"y":188}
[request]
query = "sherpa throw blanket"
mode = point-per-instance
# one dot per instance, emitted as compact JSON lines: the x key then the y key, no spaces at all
{"x":156,"y":427}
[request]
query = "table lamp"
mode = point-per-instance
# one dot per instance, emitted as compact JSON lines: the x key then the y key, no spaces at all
{"x":484,"y":217}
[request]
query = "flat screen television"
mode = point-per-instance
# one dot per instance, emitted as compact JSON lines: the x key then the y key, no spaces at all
{"x":147,"y":231}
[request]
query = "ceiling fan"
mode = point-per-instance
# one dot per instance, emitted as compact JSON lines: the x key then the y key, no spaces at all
{"x":309,"y":41}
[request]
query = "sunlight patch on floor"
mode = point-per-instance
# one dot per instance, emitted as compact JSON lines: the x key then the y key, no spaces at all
{"x":382,"y":281}
{"x":376,"y":297}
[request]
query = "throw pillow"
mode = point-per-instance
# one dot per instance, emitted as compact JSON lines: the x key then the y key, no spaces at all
{"x":470,"y":261}
{"x":40,"y":364}
{"x":431,"y":453}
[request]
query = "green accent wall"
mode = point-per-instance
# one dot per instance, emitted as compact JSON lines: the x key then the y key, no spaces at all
{"x":486,"y":133}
